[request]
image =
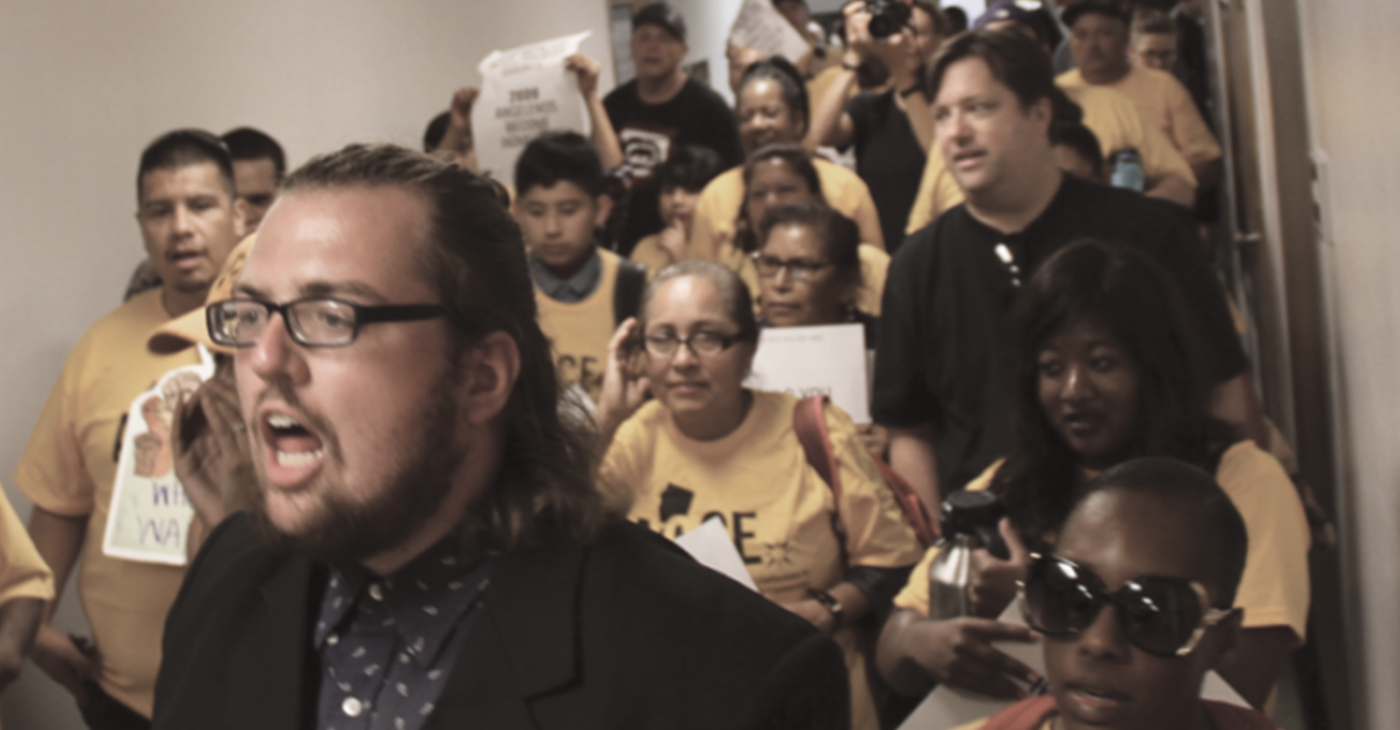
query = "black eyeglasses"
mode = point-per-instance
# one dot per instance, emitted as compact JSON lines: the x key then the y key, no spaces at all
{"x":1159,"y":615}
{"x":312,"y":322}
{"x":665,"y":344}
{"x":798,"y":269}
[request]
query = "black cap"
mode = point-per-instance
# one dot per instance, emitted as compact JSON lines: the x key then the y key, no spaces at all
{"x":1108,"y":8}
{"x":663,"y":15}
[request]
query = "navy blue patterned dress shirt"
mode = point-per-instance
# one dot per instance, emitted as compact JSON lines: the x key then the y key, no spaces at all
{"x":387,"y":644}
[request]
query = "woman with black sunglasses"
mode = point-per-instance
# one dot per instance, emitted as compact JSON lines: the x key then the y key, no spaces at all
{"x":1106,"y":370}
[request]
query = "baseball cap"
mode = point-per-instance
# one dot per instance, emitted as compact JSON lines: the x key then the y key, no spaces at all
{"x":1109,"y":8}
{"x":192,"y":327}
{"x":663,"y":15}
{"x":1003,"y":10}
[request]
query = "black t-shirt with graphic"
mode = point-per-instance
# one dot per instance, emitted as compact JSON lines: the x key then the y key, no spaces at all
{"x":648,"y":133}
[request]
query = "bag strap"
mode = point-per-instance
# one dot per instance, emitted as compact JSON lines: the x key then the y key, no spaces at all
{"x":1027,"y":714}
{"x":809,"y":421}
{"x":627,"y":291}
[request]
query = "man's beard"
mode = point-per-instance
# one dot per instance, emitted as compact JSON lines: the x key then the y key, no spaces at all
{"x":348,"y":532}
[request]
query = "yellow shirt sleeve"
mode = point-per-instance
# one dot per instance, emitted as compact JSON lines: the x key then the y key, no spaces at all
{"x":23,"y":574}
{"x":648,"y":252}
{"x":714,"y":214}
{"x":914,"y":596}
{"x":1274,"y":590}
{"x":874,"y":269}
{"x":1192,"y":136}
{"x":849,"y":195}
{"x":938,"y":192}
{"x":52,"y":471}
{"x":877,"y":535}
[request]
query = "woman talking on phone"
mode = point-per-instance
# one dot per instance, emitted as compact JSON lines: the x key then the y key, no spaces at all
{"x":708,"y":448}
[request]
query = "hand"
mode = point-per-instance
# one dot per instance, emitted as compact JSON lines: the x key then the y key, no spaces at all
{"x":875,"y":437}
{"x":623,"y":390}
{"x":461,"y":107}
{"x":814,"y":612}
{"x":992,"y":583}
{"x":859,"y":44}
{"x":673,"y":241}
{"x":587,"y":70}
{"x":65,"y":661}
{"x":958,"y":652}
{"x":210,"y":444}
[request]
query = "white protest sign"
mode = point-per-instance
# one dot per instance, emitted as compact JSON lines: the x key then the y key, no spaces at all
{"x":947,"y":707}
{"x":149,"y":517}
{"x":761,"y":26}
{"x":825,"y":360}
{"x":525,"y":91}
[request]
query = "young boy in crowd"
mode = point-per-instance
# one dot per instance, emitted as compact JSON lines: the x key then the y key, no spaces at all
{"x":583,"y":291}
{"x":1135,"y":606}
{"x":681,"y":178}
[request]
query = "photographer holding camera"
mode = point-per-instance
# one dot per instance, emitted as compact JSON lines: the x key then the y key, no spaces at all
{"x":891,"y":129}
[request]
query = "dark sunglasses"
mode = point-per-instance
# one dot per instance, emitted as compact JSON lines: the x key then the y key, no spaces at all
{"x":1159,"y":615}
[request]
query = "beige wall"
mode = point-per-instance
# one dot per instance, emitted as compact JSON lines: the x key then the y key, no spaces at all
{"x":88,"y":84}
{"x":1351,"y":59}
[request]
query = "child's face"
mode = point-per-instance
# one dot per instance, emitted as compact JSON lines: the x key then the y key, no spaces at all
{"x":678,"y":204}
{"x":559,"y":222}
{"x":1098,"y":678}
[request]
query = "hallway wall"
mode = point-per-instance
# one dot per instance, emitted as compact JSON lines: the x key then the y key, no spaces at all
{"x":87,"y":85}
{"x":1350,"y":62}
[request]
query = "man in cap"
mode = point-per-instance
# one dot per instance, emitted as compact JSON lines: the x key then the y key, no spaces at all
{"x":83,"y":448}
{"x":426,"y":546}
{"x":660,"y":109}
{"x":1099,"y":39}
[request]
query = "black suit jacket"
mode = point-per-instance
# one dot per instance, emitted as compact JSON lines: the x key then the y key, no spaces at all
{"x":625,"y":632}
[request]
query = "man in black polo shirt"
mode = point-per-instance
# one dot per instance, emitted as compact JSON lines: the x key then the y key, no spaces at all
{"x":662,"y":108}
{"x":942,"y":377}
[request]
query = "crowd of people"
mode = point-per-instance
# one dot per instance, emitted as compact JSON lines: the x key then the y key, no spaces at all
{"x":443,"y":432}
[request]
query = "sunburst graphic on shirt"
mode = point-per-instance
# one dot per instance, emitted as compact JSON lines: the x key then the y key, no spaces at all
{"x":776,"y":553}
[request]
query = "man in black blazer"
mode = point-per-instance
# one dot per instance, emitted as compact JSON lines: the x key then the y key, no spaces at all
{"x":427,"y":549}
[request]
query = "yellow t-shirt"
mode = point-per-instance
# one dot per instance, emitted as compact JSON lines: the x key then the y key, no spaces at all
{"x":712,"y":235}
{"x":649,"y":253}
{"x":1112,"y":117}
{"x":23,"y":574}
{"x":1164,"y":102}
{"x":776,"y":507}
{"x":1274,"y":588}
{"x":579,"y":332}
{"x":69,"y":468}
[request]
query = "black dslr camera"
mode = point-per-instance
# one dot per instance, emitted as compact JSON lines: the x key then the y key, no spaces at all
{"x":887,"y":17}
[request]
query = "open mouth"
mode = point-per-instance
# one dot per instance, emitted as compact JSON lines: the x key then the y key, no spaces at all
{"x":296,"y":451}
{"x":185,"y":259}
{"x":1097,"y":699}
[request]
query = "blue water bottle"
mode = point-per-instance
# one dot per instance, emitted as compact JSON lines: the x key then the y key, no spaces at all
{"x":1127,"y":171}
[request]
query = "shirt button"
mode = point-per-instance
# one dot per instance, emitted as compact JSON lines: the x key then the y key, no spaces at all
{"x":376,"y":592}
{"x":333,"y":639}
{"x":352,"y":706}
